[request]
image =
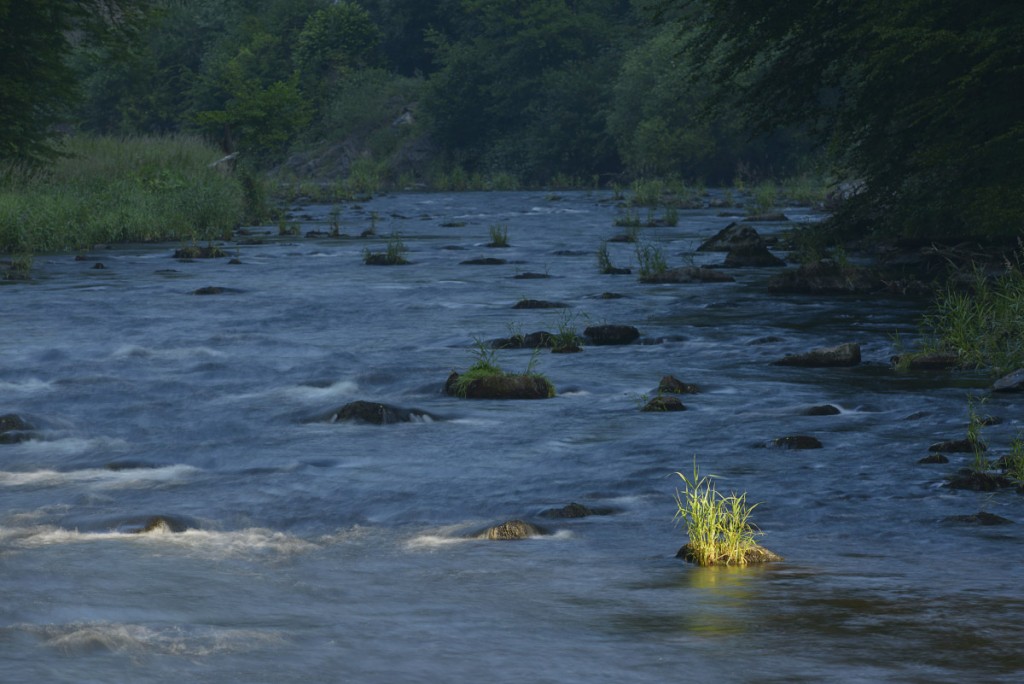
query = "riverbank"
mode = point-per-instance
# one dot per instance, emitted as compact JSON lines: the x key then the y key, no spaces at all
{"x":107,"y":190}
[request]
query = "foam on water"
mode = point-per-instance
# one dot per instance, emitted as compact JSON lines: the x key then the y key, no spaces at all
{"x":102,"y":477}
{"x":85,"y":637}
{"x":207,"y":543}
{"x":24,"y":387}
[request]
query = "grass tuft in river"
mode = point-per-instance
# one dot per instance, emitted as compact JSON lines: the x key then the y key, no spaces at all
{"x":718,"y":526}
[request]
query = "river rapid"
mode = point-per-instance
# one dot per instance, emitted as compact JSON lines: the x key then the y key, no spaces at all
{"x":329,"y":552}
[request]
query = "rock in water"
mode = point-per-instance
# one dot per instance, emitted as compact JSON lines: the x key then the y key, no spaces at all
{"x":796,"y":442}
{"x":847,"y":354}
{"x":662,"y":404}
{"x":611,"y":334}
{"x":510,"y":530}
{"x":1014,"y":382}
{"x":376,"y":413}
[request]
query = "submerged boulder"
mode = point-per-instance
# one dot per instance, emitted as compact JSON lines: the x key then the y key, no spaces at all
{"x":823,"y":410}
{"x":14,"y":429}
{"x":663,"y":403}
{"x":510,"y":530}
{"x":500,"y":386}
{"x":158,"y":524}
{"x":979,"y":518}
{"x":611,"y":334}
{"x":574,"y":510}
{"x":795,"y":442}
{"x":539,"y":304}
{"x":377,"y":413}
{"x":688,"y":274}
{"x":957,"y":446}
{"x":847,"y":354}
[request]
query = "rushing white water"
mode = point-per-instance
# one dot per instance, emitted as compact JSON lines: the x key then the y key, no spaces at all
{"x":319,"y":551}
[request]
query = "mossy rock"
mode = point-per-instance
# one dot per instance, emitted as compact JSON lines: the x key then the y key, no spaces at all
{"x":663,"y":404}
{"x":841,"y":355}
{"x":510,"y":530}
{"x":384,"y":259}
{"x":753,"y":556}
{"x":672,"y":385}
{"x":500,"y":386}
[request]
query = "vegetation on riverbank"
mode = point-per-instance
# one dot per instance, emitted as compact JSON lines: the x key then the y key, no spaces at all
{"x":104,"y":190}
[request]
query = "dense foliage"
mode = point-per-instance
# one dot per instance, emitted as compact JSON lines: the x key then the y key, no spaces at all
{"x":917,"y":103}
{"x":920,"y":101}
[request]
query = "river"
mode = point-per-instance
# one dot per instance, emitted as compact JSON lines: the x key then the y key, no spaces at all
{"x":321,"y":551}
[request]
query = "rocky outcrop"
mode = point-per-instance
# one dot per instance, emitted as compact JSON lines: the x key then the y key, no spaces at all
{"x":510,"y":530}
{"x":500,"y":386}
{"x":847,"y":354}
{"x":611,"y":334}
{"x":376,"y":413}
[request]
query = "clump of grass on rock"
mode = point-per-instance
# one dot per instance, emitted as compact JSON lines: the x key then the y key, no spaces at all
{"x":485,"y":379}
{"x":718,"y":526}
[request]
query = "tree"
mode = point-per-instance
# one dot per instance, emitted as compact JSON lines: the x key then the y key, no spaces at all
{"x":919,"y":100}
{"x":37,"y":85}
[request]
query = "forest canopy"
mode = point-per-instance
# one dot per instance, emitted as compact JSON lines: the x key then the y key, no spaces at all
{"x":915,"y":106}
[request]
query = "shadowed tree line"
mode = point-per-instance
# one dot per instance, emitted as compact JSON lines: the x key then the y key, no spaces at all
{"x":916,"y":105}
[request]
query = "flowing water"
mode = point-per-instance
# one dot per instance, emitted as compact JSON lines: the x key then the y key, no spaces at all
{"x":321,"y":551}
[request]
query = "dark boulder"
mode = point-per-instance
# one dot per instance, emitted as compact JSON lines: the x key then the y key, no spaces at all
{"x":847,"y":354}
{"x":500,"y":386}
{"x":197,"y":252}
{"x":732,"y":236}
{"x":574,"y":510}
{"x":751,"y":256}
{"x":1014,"y":382}
{"x":934,"y":459}
{"x":754,"y":555}
{"x":687,"y":274}
{"x":14,"y":429}
{"x":671,"y":385}
{"x":529,"y":275}
{"x":538,"y":304}
{"x":977,"y":481}
{"x":979,"y":518}
{"x":827,"y":277}
{"x":823,"y":410}
{"x":540,"y":339}
{"x":510,"y":530}
{"x":484,"y":261}
{"x":661,"y":404}
{"x":795,"y":442}
{"x":957,"y":446}
{"x":377,"y":413}
{"x":611,"y":334}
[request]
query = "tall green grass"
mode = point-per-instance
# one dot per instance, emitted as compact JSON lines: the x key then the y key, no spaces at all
{"x":119,"y":190}
{"x":982,"y":323}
